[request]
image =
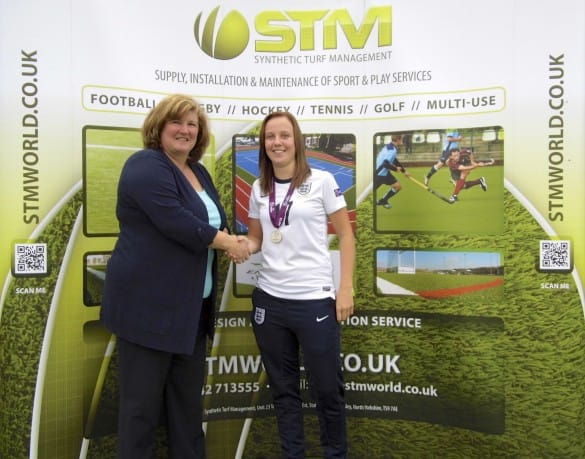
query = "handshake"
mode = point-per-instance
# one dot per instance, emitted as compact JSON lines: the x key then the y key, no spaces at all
{"x":239,"y":249}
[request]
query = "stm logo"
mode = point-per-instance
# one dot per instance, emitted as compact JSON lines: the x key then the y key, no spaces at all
{"x":225,"y":40}
{"x":227,"y":36}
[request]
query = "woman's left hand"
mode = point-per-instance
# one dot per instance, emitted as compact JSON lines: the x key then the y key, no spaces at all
{"x":344,"y":303}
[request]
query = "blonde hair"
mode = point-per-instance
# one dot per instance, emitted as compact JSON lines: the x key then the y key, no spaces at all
{"x":171,"y":108}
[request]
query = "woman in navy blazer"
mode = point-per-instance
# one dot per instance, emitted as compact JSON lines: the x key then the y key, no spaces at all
{"x":160,"y":284}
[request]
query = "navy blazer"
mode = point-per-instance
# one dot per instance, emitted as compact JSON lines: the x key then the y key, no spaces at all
{"x":155,"y":276}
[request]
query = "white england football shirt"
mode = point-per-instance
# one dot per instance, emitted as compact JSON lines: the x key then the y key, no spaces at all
{"x":299,"y":266}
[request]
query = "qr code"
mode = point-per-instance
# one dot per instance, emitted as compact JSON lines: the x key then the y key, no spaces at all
{"x":30,"y":259}
{"x":555,"y":255}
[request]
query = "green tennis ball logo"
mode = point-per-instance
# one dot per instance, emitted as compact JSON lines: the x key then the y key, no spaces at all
{"x":225,"y":40}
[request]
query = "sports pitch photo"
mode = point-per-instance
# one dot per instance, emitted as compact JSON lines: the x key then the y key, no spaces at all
{"x":437,"y":274}
{"x":426,"y":196}
{"x":105,"y":150}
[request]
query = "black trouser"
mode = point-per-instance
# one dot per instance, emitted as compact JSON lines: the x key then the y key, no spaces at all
{"x":282,"y":327}
{"x":152,"y":380}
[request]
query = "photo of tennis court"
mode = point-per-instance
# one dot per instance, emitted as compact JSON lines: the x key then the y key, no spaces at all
{"x":331,"y":152}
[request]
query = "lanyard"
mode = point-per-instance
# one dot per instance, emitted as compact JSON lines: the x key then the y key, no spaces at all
{"x":277,"y":213}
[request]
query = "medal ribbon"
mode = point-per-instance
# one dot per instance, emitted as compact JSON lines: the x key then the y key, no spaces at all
{"x":277,"y":215}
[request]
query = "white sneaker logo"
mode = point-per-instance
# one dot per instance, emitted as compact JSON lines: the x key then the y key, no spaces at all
{"x":321,"y":319}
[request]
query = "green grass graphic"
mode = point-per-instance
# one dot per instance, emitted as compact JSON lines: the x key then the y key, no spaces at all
{"x":508,"y":365}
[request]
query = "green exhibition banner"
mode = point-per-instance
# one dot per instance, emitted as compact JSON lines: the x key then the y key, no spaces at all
{"x":469,"y":334}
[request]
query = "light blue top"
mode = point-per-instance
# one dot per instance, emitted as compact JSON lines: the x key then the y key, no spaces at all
{"x":454,"y":143}
{"x":215,"y":221}
{"x":388,"y":153}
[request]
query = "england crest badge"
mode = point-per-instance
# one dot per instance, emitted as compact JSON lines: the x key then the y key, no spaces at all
{"x":259,"y":314}
{"x":305,"y":188}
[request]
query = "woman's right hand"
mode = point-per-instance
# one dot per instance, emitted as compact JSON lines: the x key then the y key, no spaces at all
{"x":239,"y":250}
{"x":235,"y":246}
